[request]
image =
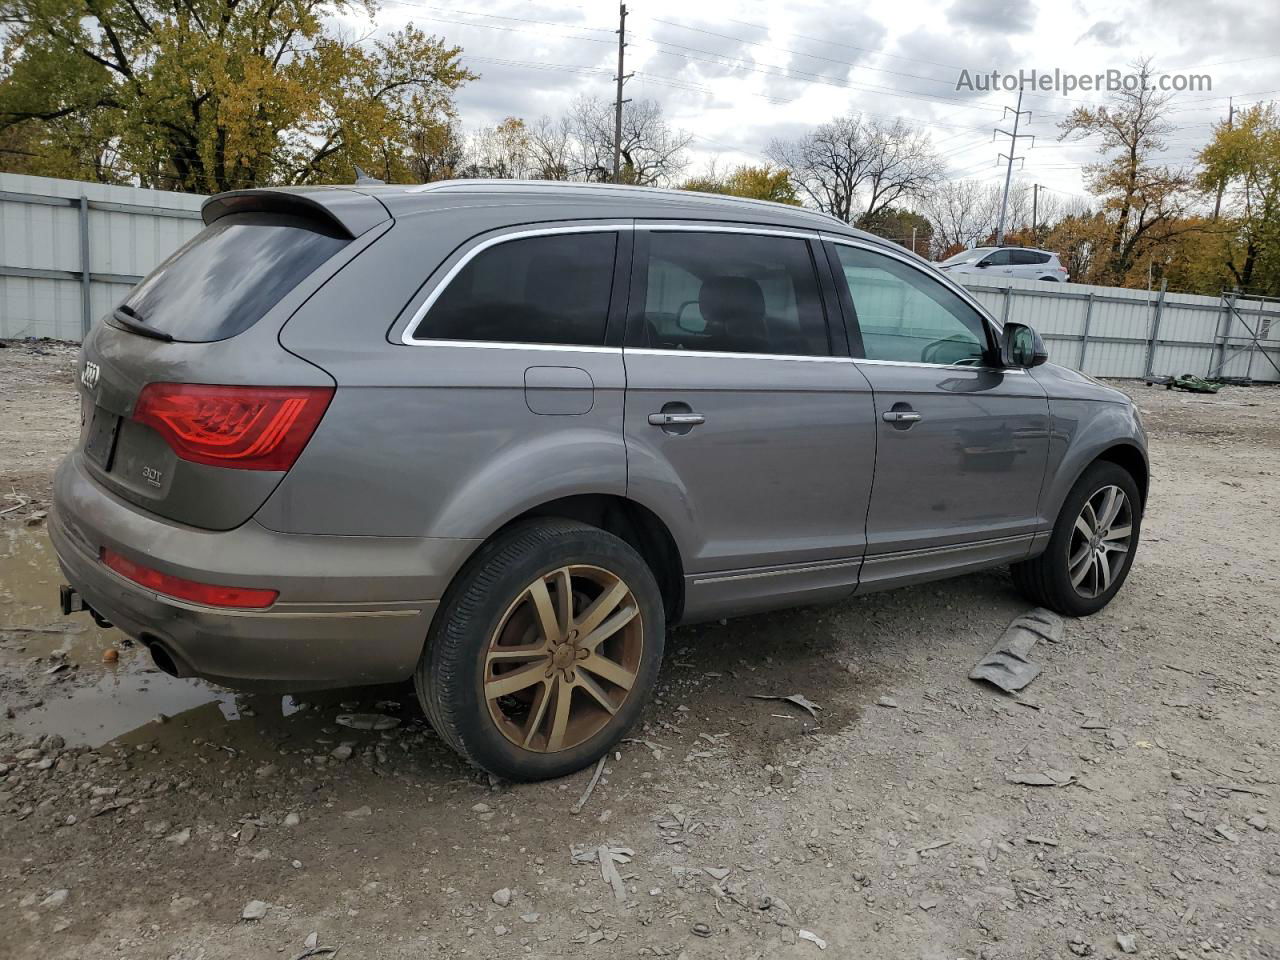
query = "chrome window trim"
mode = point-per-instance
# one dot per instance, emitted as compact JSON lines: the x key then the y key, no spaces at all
{"x":406,"y":336}
{"x":726,"y":355}
{"x":959,"y":367}
{"x":728,"y":228}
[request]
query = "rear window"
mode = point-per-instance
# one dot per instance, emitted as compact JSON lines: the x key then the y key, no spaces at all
{"x":225,"y":278}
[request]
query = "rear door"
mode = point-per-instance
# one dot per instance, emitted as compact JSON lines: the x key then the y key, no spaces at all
{"x":748,"y":427}
{"x":962,"y":443}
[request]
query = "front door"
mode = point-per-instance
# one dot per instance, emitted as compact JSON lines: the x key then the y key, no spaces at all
{"x":962,"y":444}
{"x":748,"y":427}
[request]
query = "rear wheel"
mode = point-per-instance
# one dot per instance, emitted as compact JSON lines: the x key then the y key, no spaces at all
{"x":1092,"y":546}
{"x":545,"y":650}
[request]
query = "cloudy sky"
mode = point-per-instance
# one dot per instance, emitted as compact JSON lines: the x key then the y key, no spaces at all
{"x":738,"y":73}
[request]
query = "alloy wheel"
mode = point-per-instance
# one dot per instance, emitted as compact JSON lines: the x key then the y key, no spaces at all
{"x":563,"y":658}
{"x":1100,"y":541}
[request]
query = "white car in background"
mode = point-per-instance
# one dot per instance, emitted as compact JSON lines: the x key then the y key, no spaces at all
{"x":1020,"y":262}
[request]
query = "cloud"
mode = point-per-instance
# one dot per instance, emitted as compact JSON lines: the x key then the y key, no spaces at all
{"x":994,"y":16}
{"x":1106,"y":33}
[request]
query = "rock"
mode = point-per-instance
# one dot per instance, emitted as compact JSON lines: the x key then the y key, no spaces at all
{"x":181,"y":905}
{"x":889,"y":702}
{"x":500,"y":931}
{"x":502,"y":897}
{"x":358,"y":813}
{"x":53,"y":743}
{"x":247,"y":833}
{"x":480,"y":808}
{"x":1195,"y":816}
{"x":716,"y":873}
{"x":1226,"y":833}
{"x":110,"y":655}
{"x":180,"y":838}
{"x":264,"y":771}
{"x":254,"y":910}
{"x":530,"y":917}
{"x":928,"y":903}
{"x":1258,"y":823}
{"x":342,"y":752}
{"x":54,"y":900}
{"x":313,"y":940}
{"x":1126,"y":942}
{"x":367,"y":721}
{"x":292,"y":820}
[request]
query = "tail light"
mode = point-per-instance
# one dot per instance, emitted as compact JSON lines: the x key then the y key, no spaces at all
{"x":204,"y":593}
{"x":247,"y":428}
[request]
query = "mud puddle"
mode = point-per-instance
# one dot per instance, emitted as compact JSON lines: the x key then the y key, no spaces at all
{"x":54,"y":677}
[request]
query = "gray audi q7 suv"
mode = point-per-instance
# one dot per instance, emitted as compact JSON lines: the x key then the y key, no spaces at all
{"x":497,"y":436}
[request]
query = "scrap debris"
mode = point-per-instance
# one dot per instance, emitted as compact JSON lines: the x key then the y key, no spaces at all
{"x":799,"y":699}
{"x":1008,"y":665}
{"x":595,"y":778}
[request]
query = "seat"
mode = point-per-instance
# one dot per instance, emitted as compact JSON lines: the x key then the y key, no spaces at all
{"x":733,"y":309}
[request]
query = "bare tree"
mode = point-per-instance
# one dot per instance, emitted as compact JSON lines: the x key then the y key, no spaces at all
{"x":853,"y":168}
{"x":653,"y":153}
{"x":551,"y":149}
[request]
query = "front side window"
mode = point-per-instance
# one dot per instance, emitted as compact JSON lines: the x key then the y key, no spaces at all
{"x":907,"y":316}
{"x":1001,"y":258}
{"x":732,"y":293}
{"x":551,"y":289}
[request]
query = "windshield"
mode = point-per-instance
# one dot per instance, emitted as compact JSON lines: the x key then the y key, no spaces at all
{"x":223,"y":280}
{"x":968,"y":256}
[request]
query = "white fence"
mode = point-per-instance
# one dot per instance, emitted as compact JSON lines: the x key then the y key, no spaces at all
{"x":69,"y":251}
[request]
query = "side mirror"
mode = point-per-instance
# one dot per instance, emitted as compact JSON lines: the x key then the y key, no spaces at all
{"x":1021,"y":346}
{"x":983,"y":264}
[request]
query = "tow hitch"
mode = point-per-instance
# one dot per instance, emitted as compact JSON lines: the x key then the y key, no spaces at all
{"x":71,"y":602}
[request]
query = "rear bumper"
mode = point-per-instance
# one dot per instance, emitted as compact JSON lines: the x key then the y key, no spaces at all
{"x":351,"y":611}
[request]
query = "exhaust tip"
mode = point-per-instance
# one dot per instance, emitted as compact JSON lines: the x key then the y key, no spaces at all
{"x":162,"y":658}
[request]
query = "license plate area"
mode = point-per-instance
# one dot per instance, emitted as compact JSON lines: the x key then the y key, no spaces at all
{"x":100,"y":438}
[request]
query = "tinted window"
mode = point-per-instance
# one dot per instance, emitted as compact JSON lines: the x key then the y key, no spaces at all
{"x":225,"y":279}
{"x":550,"y":289}
{"x":1001,"y":258}
{"x":907,"y":316}
{"x":733,"y":293}
{"x":1027,"y":257}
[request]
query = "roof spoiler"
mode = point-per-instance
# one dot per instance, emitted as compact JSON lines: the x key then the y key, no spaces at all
{"x":351,"y":212}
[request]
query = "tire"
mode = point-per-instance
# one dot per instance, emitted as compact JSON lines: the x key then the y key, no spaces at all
{"x":1047,"y":580}
{"x":493,"y":616}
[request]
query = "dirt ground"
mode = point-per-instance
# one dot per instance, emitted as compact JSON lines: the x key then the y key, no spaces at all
{"x":141,"y":815}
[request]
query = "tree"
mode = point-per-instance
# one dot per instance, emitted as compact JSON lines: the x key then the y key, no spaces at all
{"x":1142,"y":198}
{"x":211,"y":95}
{"x":906,"y":227}
{"x":1245,"y":156}
{"x":653,"y":153}
{"x":851,"y":168}
{"x":502,"y":151}
{"x":756,"y":183}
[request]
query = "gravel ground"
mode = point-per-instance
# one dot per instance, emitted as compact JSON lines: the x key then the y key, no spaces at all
{"x":145,"y":817}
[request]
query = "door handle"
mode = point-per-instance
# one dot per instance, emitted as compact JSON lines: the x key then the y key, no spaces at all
{"x":900,"y":416}
{"x":676,"y":419}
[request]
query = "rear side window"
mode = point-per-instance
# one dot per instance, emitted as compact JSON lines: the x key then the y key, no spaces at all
{"x":224,"y":279}
{"x":551,"y":289}
{"x":733,"y":293}
{"x":1027,"y":257}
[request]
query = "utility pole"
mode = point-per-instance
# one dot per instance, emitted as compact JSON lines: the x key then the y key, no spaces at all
{"x":1231,"y":115}
{"x":1035,"y":213}
{"x":618,"y":101}
{"x":1013,"y":146}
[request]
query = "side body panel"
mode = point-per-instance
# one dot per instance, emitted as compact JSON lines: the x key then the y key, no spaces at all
{"x":443,"y":439}
{"x":958,"y":489}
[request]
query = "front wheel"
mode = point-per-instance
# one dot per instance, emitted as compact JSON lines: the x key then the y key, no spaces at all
{"x":544,"y":651}
{"x":1092,"y":547}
